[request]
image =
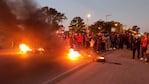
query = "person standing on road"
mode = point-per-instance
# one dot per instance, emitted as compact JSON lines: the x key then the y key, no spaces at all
{"x":97,"y":44}
{"x":87,"y":41}
{"x":144,"y":46}
{"x":113,"y":40}
{"x":79,"y":40}
{"x":92,"y":48}
{"x":136,"y":46}
{"x":103,"y":43}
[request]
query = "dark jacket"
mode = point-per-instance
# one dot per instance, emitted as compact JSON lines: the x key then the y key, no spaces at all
{"x":136,"y":43}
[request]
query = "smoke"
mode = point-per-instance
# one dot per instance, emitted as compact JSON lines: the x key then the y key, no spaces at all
{"x":21,"y":8}
{"x":6,"y":17}
{"x":16,"y":12}
{"x":22,"y":19}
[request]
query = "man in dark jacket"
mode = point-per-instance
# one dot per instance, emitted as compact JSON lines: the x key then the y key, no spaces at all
{"x":136,"y":46}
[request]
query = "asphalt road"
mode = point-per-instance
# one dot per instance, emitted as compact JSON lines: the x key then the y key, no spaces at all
{"x":31,"y":69}
{"x":119,"y":68}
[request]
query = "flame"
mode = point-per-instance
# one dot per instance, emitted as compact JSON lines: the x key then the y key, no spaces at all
{"x":24,"y":48}
{"x":73,"y":55}
{"x":101,"y":57}
{"x":40,"y":49}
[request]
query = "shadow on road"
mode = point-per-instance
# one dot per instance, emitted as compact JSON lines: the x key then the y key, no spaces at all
{"x":110,"y":62}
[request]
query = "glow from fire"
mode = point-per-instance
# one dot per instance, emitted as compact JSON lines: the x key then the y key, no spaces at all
{"x":24,"y":48}
{"x":73,"y":55}
{"x":101,"y":57}
{"x":40,"y":49}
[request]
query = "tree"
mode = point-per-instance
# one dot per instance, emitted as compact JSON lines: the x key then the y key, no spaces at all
{"x":52,"y":16}
{"x":117,"y":26}
{"x":101,"y":26}
{"x":136,"y":28}
{"x":77,"y":25}
{"x":97,"y":27}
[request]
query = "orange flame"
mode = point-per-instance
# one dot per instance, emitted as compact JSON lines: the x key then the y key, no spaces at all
{"x":73,"y":55}
{"x":24,"y":48}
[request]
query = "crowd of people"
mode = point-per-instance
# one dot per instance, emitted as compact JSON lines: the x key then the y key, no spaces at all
{"x":102,"y":42}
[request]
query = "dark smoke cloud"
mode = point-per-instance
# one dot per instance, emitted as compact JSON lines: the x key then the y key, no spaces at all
{"x":6,"y":17}
{"x":15,"y":16}
{"x":17,"y":12}
{"x":22,"y":8}
{"x":22,"y":19}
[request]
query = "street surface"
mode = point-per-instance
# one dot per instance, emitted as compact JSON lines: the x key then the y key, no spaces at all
{"x":119,"y":68}
{"x":32,"y":68}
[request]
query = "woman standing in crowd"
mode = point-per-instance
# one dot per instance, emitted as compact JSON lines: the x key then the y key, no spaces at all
{"x":144,"y":46}
{"x":79,"y":41}
{"x":136,"y":46}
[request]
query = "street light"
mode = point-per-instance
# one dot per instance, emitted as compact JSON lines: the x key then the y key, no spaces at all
{"x":115,"y":24}
{"x":88,"y":15}
{"x":87,"y":18}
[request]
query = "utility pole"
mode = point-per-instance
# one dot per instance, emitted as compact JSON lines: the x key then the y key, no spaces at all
{"x":87,"y":18}
{"x":107,"y":17}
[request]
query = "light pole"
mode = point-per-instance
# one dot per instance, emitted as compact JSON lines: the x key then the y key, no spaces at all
{"x":109,"y":29}
{"x":124,"y":28}
{"x":87,"y":18}
{"x":107,"y":17}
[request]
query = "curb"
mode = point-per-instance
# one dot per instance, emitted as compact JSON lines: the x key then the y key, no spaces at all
{"x":67,"y":73}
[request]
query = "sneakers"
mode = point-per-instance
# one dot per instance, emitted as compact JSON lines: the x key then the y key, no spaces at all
{"x":114,"y":48}
{"x":145,"y":59}
{"x":141,"y":58}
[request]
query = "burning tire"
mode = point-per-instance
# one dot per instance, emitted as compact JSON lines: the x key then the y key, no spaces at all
{"x":100,"y":59}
